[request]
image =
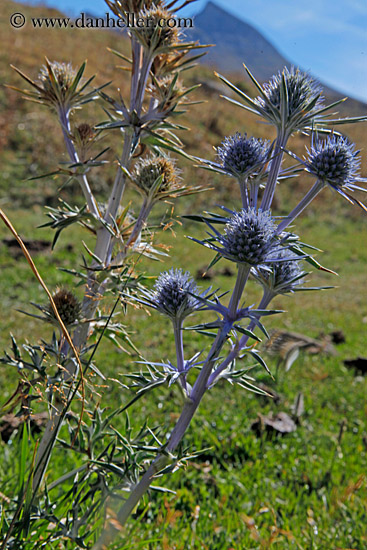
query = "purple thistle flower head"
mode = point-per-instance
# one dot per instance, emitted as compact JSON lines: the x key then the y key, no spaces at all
{"x":249,"y":236}
{"x":334,"y":161}
{"x":282,"y":272}
{"x":241,"y":156}
{"x":290,"y":98}
{"x":173,"y":294}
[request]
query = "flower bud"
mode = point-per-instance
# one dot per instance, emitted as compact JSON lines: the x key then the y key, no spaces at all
{"x":249,"y":236}
{"x":334,"y":161}
{"x":241,"y":156}
{"x":282,"y":272}
{"x":173,"y":291}
{"x":148,"y":170}
{"x":64,"y":75}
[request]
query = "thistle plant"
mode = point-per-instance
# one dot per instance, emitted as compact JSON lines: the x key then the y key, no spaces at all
{"x":251,"y":237}
{"x":144,"y":122}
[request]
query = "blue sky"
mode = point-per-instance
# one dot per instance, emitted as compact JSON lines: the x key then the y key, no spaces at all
{"x":327,"y":37}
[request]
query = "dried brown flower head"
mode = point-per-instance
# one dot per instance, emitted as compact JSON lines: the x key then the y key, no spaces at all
{"x":59,"y":86}
{"x":159,"y":30}
{"x":68,"y":306}
{"x":167,"y":91}
{"x":149,"y":170}
{"x":84,"y":132}
{"x":84,"y":137}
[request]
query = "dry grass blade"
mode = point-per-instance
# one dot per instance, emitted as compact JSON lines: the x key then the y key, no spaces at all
{"x":65,"y":332}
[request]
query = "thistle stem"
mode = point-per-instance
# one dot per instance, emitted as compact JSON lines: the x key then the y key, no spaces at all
{"x":147,"y":63}
{"x":315,"y":190}
{"x":186,"y":416}
{"x":274,"y":170}
{"x":253,"y":192}
{"x":137,"y":55}
{"x":266,"y":299}
{"x":102,"y":250}
{"x":82,"y":178}
{"x":242,"y":277}
{"x":103,"y":247}
{"x":89,"y":306}
{"x":162,"y":459}
{"x":177,"y":329}
{"x":120,"y":179}
{"x":243,"y":189}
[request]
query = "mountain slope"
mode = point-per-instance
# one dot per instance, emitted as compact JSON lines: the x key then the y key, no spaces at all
{"x":31,"y":142}
{"x":237,"y":42}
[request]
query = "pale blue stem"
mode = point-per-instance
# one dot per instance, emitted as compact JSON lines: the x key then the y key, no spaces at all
{"x":243,"y":189}
{"x":253,"y":194}
{"x":274,"y":171}
{"x":82,"y":178}
{"x":265,"y":301}
{"x":147,"y":63}
{"x":163,"y":459}
{"x":137,"y":54}
{"x":315,"y":190}
{"x":103,"y":248}
{"x":189,"y":409}
{"x":119,"y":183}
{"x":177,"y":329}
{"x":242,"y":277}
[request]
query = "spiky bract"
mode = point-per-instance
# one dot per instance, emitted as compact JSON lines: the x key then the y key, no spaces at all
{"x":158,"y":31}
{"x":290,"y":99}
{"x":64,"y":74}
{"x":123,"y":7}
{"x":59,"y":86}
{"x":282,"y":272}
{"x":167,"y":90}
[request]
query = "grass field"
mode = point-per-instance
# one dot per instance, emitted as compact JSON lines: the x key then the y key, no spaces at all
{"x":301,"y":490}
{"x":304,"y":490}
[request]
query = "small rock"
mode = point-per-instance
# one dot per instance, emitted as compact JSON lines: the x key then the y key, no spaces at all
{"x":281,"y":424}
{"x":9,"y":423}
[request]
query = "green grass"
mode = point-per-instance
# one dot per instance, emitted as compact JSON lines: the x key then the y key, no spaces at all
{"x":302,"y":490}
